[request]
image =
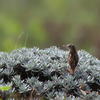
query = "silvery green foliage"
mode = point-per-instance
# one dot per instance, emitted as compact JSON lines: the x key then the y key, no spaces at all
{"x":45,"y":70}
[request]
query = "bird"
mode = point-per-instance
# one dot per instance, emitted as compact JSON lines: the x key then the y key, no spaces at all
{"x":73,"y":58}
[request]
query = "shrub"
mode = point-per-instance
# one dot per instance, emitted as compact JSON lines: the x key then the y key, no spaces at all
{"x":34,"y":72}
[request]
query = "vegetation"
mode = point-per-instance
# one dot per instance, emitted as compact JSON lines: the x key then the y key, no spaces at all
{"x":41,"y":73}
{"x":44,"y":23}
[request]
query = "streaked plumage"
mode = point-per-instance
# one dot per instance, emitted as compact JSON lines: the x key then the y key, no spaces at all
{"x":72,"y":58}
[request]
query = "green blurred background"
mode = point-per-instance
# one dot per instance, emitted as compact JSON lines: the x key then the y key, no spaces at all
{"x":44,"y":23}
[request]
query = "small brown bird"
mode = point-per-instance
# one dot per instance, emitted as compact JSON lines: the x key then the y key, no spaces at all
{"x":72,"y":58}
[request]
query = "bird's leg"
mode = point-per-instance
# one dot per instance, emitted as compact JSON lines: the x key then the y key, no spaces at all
{"x":71,"y":71}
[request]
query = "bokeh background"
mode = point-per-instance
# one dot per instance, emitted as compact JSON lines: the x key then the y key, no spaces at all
{"x":44,"y":23}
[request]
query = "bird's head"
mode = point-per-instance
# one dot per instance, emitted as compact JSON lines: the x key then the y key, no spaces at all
{"x":69,"y":46}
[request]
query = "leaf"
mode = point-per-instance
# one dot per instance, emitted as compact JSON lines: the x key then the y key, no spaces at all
{"x":5,"y":88}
